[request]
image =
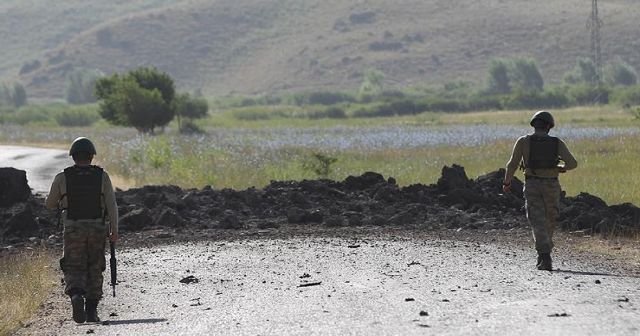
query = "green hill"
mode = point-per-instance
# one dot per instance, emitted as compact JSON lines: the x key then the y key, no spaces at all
{"x":258,"y":46}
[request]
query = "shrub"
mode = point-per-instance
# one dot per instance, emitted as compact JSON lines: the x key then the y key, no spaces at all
{"x":77,"y":117}
{"x":319,"y":164}
{"x":583,"y":72}
{"x":535,"y":100}
{"x":620,"y":73}
{"x":321,"y":98}
{"x":81,"y":86}
{"x":588,"y":95}
{"x":628,"y":96}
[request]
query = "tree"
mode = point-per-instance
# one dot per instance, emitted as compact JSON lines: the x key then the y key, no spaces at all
{"x":583,"y":72}
{"x":499,"y":82}
{"x":189,"y":108}
{"x":81,"y":85}
{"x":142,"y":98}
{"x":525,"y":76}
{"x":14,"y":95}
{"x":620,"y":73}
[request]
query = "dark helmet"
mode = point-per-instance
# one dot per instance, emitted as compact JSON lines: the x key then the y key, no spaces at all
{"x":82,"y":144}
{"x":543,"y":116}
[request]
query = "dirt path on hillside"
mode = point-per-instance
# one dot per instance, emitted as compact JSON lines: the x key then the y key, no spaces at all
{"x":403,"y":283}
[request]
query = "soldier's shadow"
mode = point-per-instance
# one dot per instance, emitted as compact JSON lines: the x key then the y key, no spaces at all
{"x":134,"y":321}
{"x":594,"y":273}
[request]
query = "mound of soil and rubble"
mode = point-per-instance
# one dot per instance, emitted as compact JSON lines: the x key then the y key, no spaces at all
{"x":454,"y":202}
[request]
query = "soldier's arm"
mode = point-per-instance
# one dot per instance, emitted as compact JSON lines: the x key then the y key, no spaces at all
{"x":51,"y":202}
{"x":110,"y":203}
{"x":566,"y":156}
{"x":514,"y":161}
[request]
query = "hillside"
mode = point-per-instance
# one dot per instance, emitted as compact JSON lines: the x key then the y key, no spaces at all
{"x":258,"y":46}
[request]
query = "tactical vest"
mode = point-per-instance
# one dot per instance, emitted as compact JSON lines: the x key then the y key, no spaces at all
{"x":543,"y":152}
{"x":84,"y":192}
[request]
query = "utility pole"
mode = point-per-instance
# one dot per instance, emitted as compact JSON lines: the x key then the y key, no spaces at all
{"x":593,"y":24}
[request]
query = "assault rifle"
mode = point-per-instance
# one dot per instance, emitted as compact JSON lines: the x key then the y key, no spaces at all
{"x":114,"y":274}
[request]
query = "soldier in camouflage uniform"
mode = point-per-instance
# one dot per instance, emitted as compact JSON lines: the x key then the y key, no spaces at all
{"x":85,"y":193}
{"x":542,"y":158}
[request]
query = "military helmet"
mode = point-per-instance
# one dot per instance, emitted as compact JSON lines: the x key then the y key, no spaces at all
{"x":544,"y":116}
{"x":82,"y":144}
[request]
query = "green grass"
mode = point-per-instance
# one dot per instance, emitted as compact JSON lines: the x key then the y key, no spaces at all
{"x":607,"y":167}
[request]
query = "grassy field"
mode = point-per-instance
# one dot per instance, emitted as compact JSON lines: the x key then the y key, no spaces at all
{"x":25,"y":281}
{"x":241,"y":154}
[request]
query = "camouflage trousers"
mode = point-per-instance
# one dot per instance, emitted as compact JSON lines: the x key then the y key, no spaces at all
{"x":83,"y":259}
{"x":543,"y":207}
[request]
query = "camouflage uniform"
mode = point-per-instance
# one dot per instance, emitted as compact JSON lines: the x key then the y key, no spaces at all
{"x":83,"y":259}
{"x":541,"y":190}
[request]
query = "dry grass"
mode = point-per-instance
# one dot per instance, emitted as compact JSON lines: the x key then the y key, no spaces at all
{"x":25,"y":281}
{"x":622,"y":249}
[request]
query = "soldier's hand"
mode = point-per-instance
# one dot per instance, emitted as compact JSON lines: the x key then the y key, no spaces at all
{"x":506,"y":187}
{"x":113,"y":237}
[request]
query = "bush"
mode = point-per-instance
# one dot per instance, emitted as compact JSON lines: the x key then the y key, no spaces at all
{"x":628,"y":96}
{"x":620,"y":73}
{"x":444,"y":105}
{"x":28,"y":115}
{"x":321,"y":98}
{"x":588,"y":95}
{"x":81,"y":85}
{"x":77,"y":117}
{"x":535,"y":100}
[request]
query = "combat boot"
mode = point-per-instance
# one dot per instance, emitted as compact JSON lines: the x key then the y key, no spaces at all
{"x":77,"y":304}
{"x":92,"y":310}
{"x":544,"y":262}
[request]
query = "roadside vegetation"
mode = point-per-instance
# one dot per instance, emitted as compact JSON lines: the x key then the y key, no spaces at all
{"x":26,"y":280}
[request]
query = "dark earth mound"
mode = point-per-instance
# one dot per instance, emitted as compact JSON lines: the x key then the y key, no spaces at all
{"x":454,"y":202}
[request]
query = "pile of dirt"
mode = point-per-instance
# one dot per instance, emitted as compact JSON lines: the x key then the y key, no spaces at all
{"x":454,"y":202}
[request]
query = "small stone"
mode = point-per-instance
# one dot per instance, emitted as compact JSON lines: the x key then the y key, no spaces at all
{"x":598,"y":282}
{"x":424,"y":313}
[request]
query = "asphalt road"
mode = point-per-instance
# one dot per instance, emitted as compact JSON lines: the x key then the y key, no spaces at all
{"x":357,"y":284}
{"x":41,"y":164}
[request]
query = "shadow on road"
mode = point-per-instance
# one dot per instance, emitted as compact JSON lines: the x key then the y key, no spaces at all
{"x":593,"y":273}
{"x":136,"y":321}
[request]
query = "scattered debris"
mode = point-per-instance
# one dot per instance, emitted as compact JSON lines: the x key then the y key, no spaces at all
{"x":413,"y":263}
{"x":409,"y":299}
{"x":559,"y":315}
{"x":353,"y":246}
{"x":305,"y":275}
{"x":190,"y":279}
{"x":174,"y":305}
{"x":423,"y":325}
{"x":309,"y":284}
{"x":91,"y":331}
{"x":424,"y":313}
{"x":113,"y":314}
{"x":625,"y":299}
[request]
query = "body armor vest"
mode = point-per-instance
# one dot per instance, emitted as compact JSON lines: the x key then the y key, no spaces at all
{"x":84,"y":192}
{"x":543,"y":152}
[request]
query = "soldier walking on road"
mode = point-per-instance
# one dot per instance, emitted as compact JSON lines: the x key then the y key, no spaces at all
{"x":542,"y":157}
{"x":85,"y":192}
